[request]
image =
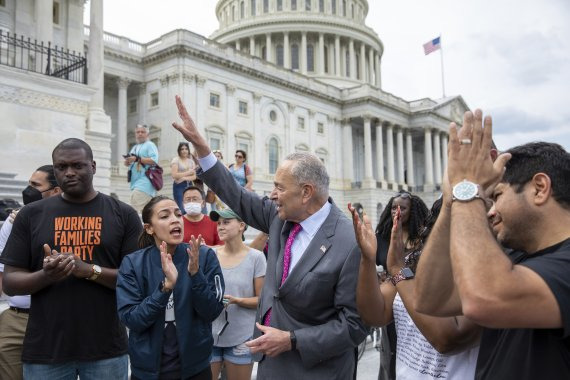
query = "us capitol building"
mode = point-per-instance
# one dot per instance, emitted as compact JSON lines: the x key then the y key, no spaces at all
{"x":277,"y":76}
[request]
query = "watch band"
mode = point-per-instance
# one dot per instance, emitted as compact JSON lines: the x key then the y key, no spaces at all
{"x":293,"y":338}
{"x":95,"y":272}
{"x":397,"y":278}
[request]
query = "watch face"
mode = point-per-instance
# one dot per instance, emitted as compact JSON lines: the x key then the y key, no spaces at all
{"x":407,"y":273}
{"x":465,"y":191}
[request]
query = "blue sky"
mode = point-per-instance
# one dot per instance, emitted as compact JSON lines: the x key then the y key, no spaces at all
{"x":510,"y":58}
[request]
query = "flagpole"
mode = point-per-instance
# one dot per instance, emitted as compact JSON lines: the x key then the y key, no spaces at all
{"x":442,"y":76}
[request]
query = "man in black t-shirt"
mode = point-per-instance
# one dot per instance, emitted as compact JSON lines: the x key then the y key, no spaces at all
{"x":522,"y":299}
{"x":65,"y":252}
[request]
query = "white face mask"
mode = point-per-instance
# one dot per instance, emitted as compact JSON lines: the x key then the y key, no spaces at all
{"x":193,"y":208}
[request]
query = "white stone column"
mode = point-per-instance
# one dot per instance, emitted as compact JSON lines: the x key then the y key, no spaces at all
{"x":303,"y":53}
{"x":286,"y":51}
{"x":378,"y":77}
{"x":437,"y":154}
{"x":369,"y":181}
{"x":123,"y":85}
{"x":238,"y":45}
{"x":428,"y":159}
{"x":98,"y":133}
{"x":362,"y":62}
{"x":312,"y":131}
{"x":352,"y":59}
{"x":321,"y":53}
{"x":444,"y":152}
{"x":400,"y":154}
{"x":230,"y":116}
{"x":337,"y":68}
{"x":252,"y":45}
{"x":347,"y":148}
{"x":390,"y":152}
{"x":331,"y":58}
{"x":257,"y":142}
{"x":410,"y":159}
{"x":143,"y":103}
{"x":268,"y":49}
{"x":380,"y":153}
{"x":44,"y":20}
{"x":371,"y":66}
{"x":201,"y":104}
{"x":290,"y":147}
{"x":95,"y":53}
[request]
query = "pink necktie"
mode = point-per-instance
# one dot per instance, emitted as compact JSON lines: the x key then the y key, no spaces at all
{"x":286,"y":263}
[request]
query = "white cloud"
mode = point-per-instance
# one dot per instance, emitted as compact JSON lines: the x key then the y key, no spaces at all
{"x":499,"y":55}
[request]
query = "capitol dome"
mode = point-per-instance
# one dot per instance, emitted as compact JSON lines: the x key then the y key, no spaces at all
{"x":325,"y":39}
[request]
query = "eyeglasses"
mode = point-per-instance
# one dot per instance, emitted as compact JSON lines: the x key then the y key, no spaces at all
{"x":238,"y":156}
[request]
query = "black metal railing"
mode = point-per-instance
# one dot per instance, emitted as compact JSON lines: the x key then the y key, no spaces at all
{"x":31,"y":55}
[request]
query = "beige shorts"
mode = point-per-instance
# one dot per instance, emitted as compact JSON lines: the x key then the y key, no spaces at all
{"x":139,"y":199}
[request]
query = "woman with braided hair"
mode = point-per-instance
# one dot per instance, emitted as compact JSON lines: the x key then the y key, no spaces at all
{"x":413,"y":214}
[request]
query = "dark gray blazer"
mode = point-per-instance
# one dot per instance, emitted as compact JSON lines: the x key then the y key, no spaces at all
{"x":318,"y":299}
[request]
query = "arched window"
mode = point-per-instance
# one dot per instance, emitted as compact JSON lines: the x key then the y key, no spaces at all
{"x":321,"y":6}
{"x":266,"y":6}
{"x":326,"y":62}
{"x":347,"y":64}
{"x":344,"y":8}
{"x":308,"y":5}
{"x":279,"y":5}
{"x":242,"y":10}
{"x":253,"y":7}
{"x":310,"y":58}
{"x":333,"y":7}
{"x":352,"y":10}
{"x":273,"y":155}
{"x":293,"y":5}
{"x":295,"y":57}
{"x":264,"y":52}
{"x":279,"y":51}
{"x":233,"y":12}
{"x":358,"y":66}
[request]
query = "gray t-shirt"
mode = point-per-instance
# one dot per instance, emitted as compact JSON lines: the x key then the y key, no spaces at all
{"x":239,"y":283}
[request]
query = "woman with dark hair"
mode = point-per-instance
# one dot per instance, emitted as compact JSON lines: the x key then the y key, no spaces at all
{"x":242,"y":172}
{"x":413,"y":213}
{"x":168,"y":294}
{"x":183,"y":171}
{"x":447,"y":346}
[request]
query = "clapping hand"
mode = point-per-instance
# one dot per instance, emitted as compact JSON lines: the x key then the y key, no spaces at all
{"x":57,"y":266}
{"x":365,"y":235}
{"x":168,"y":267}
{"x":194,"y":254}
{"x":396,"y":251}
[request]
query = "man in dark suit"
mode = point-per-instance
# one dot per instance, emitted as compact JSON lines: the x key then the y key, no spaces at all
{"x":307,"y":325}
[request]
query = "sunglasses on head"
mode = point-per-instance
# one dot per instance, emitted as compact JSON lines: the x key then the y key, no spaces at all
{"x":403,"y":194}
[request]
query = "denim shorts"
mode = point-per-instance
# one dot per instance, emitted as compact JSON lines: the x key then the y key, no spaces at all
{"x":239,"y":354}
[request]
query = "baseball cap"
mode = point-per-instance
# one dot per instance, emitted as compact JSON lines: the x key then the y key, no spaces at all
{"x":224,"y":214}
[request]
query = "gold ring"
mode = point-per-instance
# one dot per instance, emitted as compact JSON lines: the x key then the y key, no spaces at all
{"x":465,"y":142}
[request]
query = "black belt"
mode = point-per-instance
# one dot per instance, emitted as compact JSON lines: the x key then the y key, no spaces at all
{"x":19,"y":310}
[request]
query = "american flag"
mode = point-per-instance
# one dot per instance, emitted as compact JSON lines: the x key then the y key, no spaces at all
{"x":432,"y":45}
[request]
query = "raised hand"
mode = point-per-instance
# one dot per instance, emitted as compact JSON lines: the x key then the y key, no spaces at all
{"x":190,"y":131}
{"x":57,"y":266}
{"x":396,"y":251}
{"x":168,"y":268}
{"x":469,"y":152}
{"x":194,"y":254}
{"x":365,"y":236}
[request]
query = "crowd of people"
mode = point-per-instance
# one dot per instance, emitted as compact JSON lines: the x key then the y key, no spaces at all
{"x":474,"y":287}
